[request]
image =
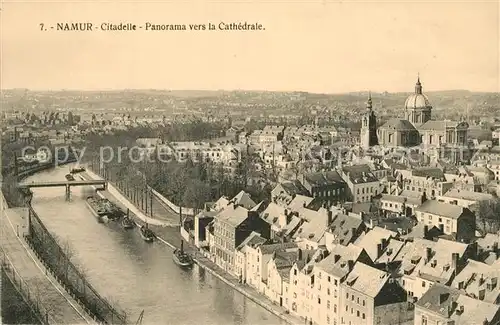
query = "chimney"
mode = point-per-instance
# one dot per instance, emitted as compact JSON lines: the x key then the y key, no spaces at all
{"x":329,"y":219}
{"x":426,"y":231}
{"x":336,"y":258}
{"x":454,"y":260}
{"x":384,"y":243}
{"x":428,"y":254}
{"x":304,"y":204}
{"x":379,"y":250}
{"x":350,"y":264}
{"x":299,"y":252}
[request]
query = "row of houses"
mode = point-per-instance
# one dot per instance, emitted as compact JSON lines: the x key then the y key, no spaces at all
{"x":331,"y":266}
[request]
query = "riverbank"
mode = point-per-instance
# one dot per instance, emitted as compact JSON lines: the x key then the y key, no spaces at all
{"x":39,"y":281}
{"x":170,"y":236}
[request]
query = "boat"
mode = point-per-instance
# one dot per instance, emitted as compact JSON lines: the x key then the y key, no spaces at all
{"x":77,"y":170}
{"x":182,"y":258}
{"x":127,"y":223}
{"x":70,"y":177}
{"x":146,"y":233}
{"x":98,"y":210}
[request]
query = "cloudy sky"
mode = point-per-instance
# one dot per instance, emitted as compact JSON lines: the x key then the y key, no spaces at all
{"x":326,"y":46}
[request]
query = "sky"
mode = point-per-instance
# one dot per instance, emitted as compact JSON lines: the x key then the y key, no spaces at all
{"x":315,"y":46}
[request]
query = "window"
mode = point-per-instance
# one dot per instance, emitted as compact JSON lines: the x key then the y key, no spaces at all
{"x":335,"y":308}
{"x":346,"y":308}
{"x":423,"y":284}
{"x":357,"y":313}
{"x":352,"y":297}
{"x":329,"y":279}
{"x":335,"y":282}
{"x":358,"y":300}
{"x":363,"y":302}
{"x":347,"y":295}
{"x":363,"y":316}
{"x":424,"y":320}
{"x":328,"y":304}
{"x":328,"y":319}
{"x":328,"y":291}
{"x":319,"y":301}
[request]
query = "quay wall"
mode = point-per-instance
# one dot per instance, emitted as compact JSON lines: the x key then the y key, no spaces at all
{"x":49,"y":251}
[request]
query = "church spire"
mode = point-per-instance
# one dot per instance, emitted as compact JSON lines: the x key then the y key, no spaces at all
{"x":369,"y":102}
{"x":418,"y":86}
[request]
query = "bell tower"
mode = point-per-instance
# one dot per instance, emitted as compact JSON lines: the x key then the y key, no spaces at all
{"x":369,"y":126}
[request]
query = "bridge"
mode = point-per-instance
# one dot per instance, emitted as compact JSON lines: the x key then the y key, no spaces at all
{"x":66,"y":184}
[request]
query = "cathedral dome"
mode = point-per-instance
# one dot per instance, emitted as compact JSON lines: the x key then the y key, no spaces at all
{"x":417,"y":100}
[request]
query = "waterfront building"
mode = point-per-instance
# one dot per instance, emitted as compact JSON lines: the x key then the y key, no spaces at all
{"x":259,"y":263}
{"x":231,"y":227}
{"x":329,"y":274}
{"x":371,"y":296}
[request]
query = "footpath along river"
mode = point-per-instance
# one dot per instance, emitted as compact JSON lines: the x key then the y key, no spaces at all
{"x":138,"y":275}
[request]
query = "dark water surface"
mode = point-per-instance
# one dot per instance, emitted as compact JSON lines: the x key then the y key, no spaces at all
{"x":136,"y":275}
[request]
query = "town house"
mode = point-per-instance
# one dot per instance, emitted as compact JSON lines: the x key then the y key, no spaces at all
{"x":445,"y":305}
{"x":231,"y":226}
{"x":362,"y":183}
{"x":329,"y":186}
{"x":371,"y":296}
{"x":329,"y":274}
{"x":454,"y":220}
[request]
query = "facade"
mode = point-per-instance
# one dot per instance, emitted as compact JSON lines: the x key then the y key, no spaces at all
{"x":231,"y":227}
{"x":452,"y":219}
{"x":329,"y":275}
{"x":363,"y":185}
{"x":415,"y":128}
{"x":328,"y":186}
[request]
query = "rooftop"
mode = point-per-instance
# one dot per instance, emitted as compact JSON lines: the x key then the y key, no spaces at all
{"x":441,"y":209}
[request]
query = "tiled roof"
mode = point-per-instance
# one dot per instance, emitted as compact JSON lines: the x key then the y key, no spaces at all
{"x":399,"y":125}
{"x":366,"y":279}
{"x":372,"y":238}
{"x":441,"y":209}
{"x":294,"y":188}
{"x":448,"y":303}
{"x":342,"y":228}
{"x":337,"y":263}
{"x":271,"y":248}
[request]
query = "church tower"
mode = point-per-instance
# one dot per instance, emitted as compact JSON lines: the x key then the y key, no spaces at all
{"x":369,"y":126}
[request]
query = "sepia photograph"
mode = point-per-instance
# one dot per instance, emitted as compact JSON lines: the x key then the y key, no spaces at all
{"x":250,"y":162}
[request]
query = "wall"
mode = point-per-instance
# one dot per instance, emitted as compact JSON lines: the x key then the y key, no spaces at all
{"x":175,"y":208}
{"x":393,"y":314}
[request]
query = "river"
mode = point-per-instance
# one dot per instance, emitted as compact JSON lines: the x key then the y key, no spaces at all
{"x":136,"y":275}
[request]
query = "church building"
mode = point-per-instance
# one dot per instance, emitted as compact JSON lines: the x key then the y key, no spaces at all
{"x":415,"y":129}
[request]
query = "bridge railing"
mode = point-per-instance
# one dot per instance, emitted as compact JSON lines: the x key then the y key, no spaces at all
{"x":49,"y":250}
{"x":31,"y":296}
